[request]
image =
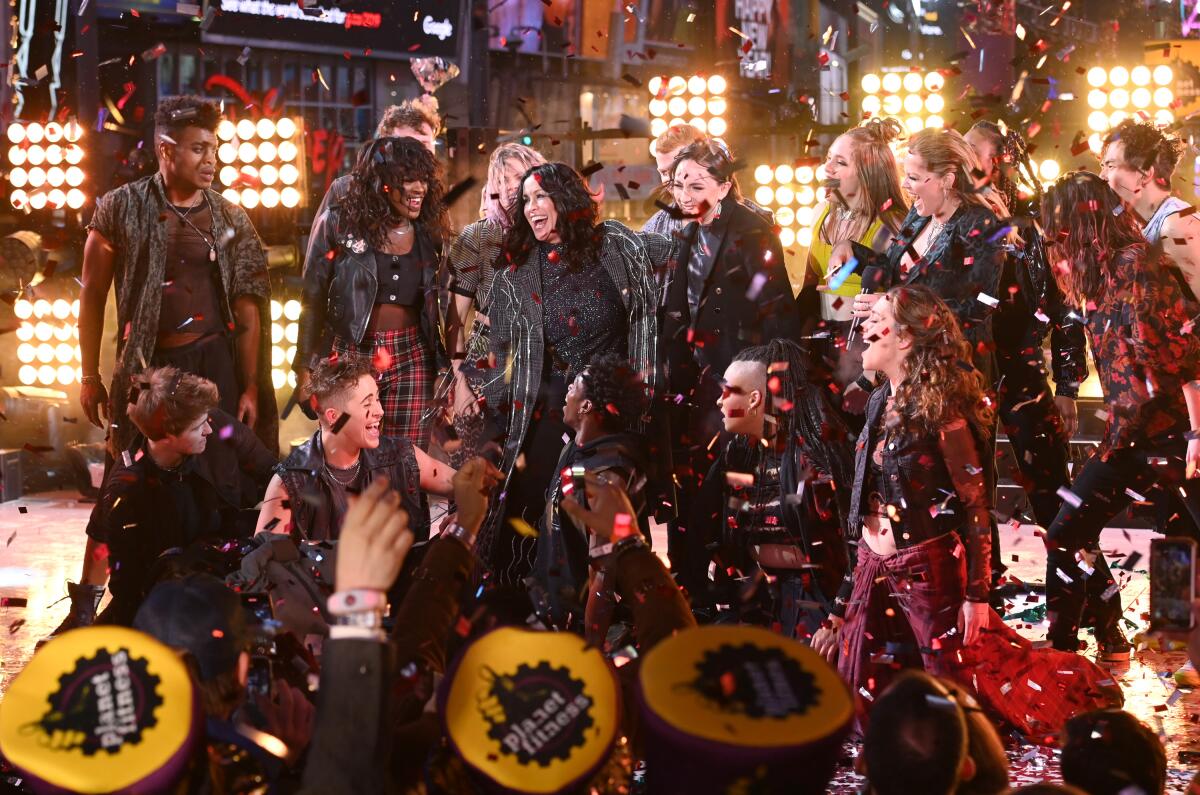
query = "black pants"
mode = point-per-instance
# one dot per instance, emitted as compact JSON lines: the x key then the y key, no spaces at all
{"x":1035,"y":431}
{"x":209,"y":357}
{"x":1103,"y":489}
{"x":691,"y":536}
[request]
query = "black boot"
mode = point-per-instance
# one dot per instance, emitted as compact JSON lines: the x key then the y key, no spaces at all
{"x":85,"y":601}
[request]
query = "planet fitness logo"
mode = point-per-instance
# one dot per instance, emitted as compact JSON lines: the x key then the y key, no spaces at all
{"x":102,"y":705}
{"x":755,"y":682}
{"x":537,"y":714}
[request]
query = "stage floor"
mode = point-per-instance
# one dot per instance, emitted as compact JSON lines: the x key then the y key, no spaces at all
{"x":41,"y":547}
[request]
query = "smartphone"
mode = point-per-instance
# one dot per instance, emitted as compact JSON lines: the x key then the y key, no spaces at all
{"x":579,"y":484}
{"x":258,"y":607}
{"x":1172,"y":584}
{"x":259,"y":679}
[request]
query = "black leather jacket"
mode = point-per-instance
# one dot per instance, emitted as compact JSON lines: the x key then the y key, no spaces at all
{"x":340,"y":288}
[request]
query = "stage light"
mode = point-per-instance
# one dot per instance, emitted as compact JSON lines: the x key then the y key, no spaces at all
{"x":73,"y":154}
{"x":45,"y":353}
{"x":270,"y":198}
{"x":265,"y":128}
{"x":784,"y":195}
{"x":1050,"y":170}
{"x":787,"y":237}
{"x":56,"y":198}
{"x":1164,"y":118}
{"x":913,"y":103}
{"x":1163,"y":75}
{"x":227,"y":153}
{"x":47,"y":375}
{"x":249,"y":198}
{"x":268,"y":174}
{"x":16,"y":155}
{"x":60,"y":309}
{"x":54,"y":132}
{"x":285,"y":128}
{"x":35,"y":155}
{"x":232,"y":196}
{"x":54,"y":154}
{"x":785,"y":216}
{"x":1140,"y":97}
{"x":291,"y":310}
{"x":697,"y":106}
{"x":34,"y":133}
{"x":717,"y":106}
{"x":1118,"y":98}
{"x":24,"y":333}
{"x":64,"y":353}
{"x":41,"y":308}
{"x":19,"y":177}
{"x":55,"y":177}
{"x":26,"y":352}
{"x":804,"y":216}
{"x":291,"y":332}
{"x":676,"y":85}
{"x":225,"y":130}
{"x":657,"y":128}
{"x":276,"y":357}
{"x":276,"y":333}
{"x":76,"y":198}
{"x":1097,"y":120}
{"x":1097,"y":99}
{"x":1096,"y":76}
{"x":16,"y":132}
{"x":658,"y":107}
{"x":696,"y":85}
{"x":717,"y":127}
{"x":912,"y":82}
{"x":934,"y":103}
{"x":1118,"y":76}
{"x":870,"y":83}
{"x":245,"y":129}
{"x":278,"y":378}
{"x":266,"y":151}
{"x":699,"y":124}
{"x":892,"y":104}
{"x":287,"y":151}
{"x":677,"y":106}
{"x":764,"y":195}
{"x":806,"y":195}
{"x":914,"y":124}
{"x":784,"y":174}
{"x":43,"y":331}
{"x":1140,"y":75}
{"x":1163,"y":97}
{"x":716,"y":85}
{"x":763,"y":174}
{"x":27,"y":374}
{"x":871,"y":104}
{"x":23,"y":309}
{"x":247,"y":152}
{"x":892,"y":82}
{"x":1116,"y":117}
{"x":934,"y":81}
{"x":19,"y":199}
{"x":804,"y":175}
{"x":804,"y":236}
{"x":62,"y":333}
{"x":289,"y":197}
{"x":37,"y":200}
{"x":66,"y":374}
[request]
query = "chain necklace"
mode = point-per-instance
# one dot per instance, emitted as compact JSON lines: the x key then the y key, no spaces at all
{"x":353,"y":470}
{"x":183,"y":219}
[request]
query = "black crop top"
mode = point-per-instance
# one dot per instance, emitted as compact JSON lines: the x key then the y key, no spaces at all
{"x":399,"y":277}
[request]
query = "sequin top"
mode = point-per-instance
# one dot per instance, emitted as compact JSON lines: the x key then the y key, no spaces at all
{"x":583,"y":315}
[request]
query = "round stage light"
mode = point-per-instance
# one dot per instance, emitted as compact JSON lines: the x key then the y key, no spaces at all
{"x":655,"y":85}
{"x":1096,"y":76}
{"x":41,"y":308}
{"x":806,"y":195}
{"x":276,"y":310}
{"x":676,"y":85}
{"x":804,"y":216}
{"x":74,"y":176}
{"x":63,"y":333}
{"x":699,"y":124}
{"x":64,"y":353}
{"x":276,"y":333}
{"x":1163,"y":75}
{"x":229,"y":175}
{"x":35,"y":133}
{"x":26,"y":352}
{"x":268,"y":174}
{"x":658,"y":107}
{"x":804,"y":236}
{"x":57,"y":198}
{"x":1163,"y":97}
{"x":291,"y":332}
{"x":73,"y":154}
{"x":892,"y":82}
{"x":717,"y":127}
{"x":1118,"y":98}
{"x":289,"y":197}
{"x":871,"y":83}
{"x":892,"y":104}
{"x":54,"y":132}
{"x":19,"y":199}
{"x":16,"y":155}
{"x":934,"y":103}
{"x":1164,"y":117}
{"x":76,"y":198}
{"x":871,"y":104}
{"x":804,"y":175}
{"x":291,"y":310}
{"x":35,"y":155}
{"x":45,"y":353}
{"x":24,"y":333}
{"x":287,"y":151}
{"x":914,"y":124}
{"x":227,"y":153}
{"x":249,"y":198}
{"x":1140,"y":75}
{"x":784,"y":195}
{"x":787,"y":237}
{"x":1050,"y":170}
{"x":47,"y":375}
{"x":912,"y":82}
{"x":60,"y":309}
{"x":72,"y":131}
{"x":934,"y":81}
{"x":784,"y":174}
{"x":278,"y":378}
{"x":56,"y":177}
{"x":785,"y":216}
{"x":270,"y":198}
{"x":764,"y":195}
{"x":696,"y":84}
{"x":697,"y":106}
{"x":232,"y":196}
{"x":1140,"y":97}
{"x":716,"y":85}
{"x":276,"y":357}
{"x":717,"y":106}
{"x":290,"y":354}
{"x":1097,"y":99}
{"x":37,"y":177}
{"x":1098,"y":121}
{"x":265,"y":128}
{"x":657,"y":128}
{"x":225,"y":130}
{"x":1116,"y":117}
{"x":245,"y":129}
{"x":285,"y":128}
{"x":54,"y":154}
{"x":16,"y":132}
{"x":677,"y":106}
{"x":913,"y":103}
{"x":37,"y":200}
{"x":43,"y":331}
{"x":247,"y":152}
{"x":763,"y":174}
{"x":1118,"y":76}
{"x":27,"y":374}
{"x":23,"y":309}
{"x":266,"y":151}
{"x":19,"y":177}
{"x":66,"y":374}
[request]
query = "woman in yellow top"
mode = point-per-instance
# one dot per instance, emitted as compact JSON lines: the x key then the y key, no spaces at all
{"x":864,"y":203}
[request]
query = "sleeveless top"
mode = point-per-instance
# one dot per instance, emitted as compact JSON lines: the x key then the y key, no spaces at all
{"x":1153,"y":228}
{"x":818,"y":259}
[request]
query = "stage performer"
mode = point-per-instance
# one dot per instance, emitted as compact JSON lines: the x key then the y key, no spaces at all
{"x":566,"y":288}
{"x":370,"y":281}
{"x":863,"y":203}
{"x":1139,"y":326}
{"x":778,"y":489}
{"x":309,"y":495}
{"x":191,"y":282}
{"x":920,"y":509}
{"x":1038,"y":426}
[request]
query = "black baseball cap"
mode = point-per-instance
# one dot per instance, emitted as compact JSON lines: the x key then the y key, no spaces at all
{"x":200,"y":615}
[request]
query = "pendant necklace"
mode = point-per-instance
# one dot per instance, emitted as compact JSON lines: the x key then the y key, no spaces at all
{"x":183,"y":219}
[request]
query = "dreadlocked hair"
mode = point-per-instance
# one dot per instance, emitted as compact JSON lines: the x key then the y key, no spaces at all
{"x":384,"y":166}
{"x":578,"y":219}
{"x":942,"y":384}
{"x":801,"y":404}
{"x":1013,"y":165}
{"x":1090,"y":229}
{"x":617,"y":390}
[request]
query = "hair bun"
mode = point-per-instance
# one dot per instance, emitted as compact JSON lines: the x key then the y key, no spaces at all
{"x":884,"y":129}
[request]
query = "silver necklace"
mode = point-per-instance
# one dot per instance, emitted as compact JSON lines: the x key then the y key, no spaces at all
{"x":183,"y":218}
{"x":352,"y":470}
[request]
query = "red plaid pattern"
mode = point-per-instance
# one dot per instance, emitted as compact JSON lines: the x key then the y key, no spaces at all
{"x":404,"y":371}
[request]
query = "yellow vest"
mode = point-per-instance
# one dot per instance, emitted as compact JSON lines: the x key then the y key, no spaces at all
{"x":819,"y":251}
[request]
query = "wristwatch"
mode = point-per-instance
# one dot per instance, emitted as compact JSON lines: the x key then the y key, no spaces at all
{"x":357,"y":600}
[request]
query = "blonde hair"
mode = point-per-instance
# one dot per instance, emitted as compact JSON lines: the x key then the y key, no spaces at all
{"x":166,"y":400}
{"x":676,"y":137}
{"x":947,"y":152}
{"x":491,"y":204}
{"x":878,"y":174}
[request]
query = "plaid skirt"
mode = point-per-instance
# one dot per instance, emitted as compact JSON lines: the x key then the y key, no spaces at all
{"x":904,"y":614}
{"x":404,"y":371}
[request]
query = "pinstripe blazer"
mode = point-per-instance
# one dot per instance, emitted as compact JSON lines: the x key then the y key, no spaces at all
{"x":630,"y":259}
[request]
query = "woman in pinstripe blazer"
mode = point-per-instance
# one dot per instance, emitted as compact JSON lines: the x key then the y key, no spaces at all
{"x":567,"y":287}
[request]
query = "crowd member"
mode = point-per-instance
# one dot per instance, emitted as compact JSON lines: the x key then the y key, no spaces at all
{"x":863,"y":203}
{"x":369,"y":280}
{"x":1037,"y":427}
{"x":566,"y":288}
{"x":727,"y":288}
{"x":920,"y":512}
{"x":1137,"y":321}
{"x":308,"y":496}
{"x":410,"y":119}
{"x":191,"y":282}
{"x":167,"y":495}
{"x":666,"y":148}
{"x":1138,"y":160}
{"x":202,"y":618}
{"x":986,"y":751}
{"x":1109,"y":752}
{"x":772,"y":491}
{"x":604,"y":405}
{"x":951,"y":241}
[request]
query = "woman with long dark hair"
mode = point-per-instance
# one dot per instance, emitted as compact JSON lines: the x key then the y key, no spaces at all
{"x":921,"y":515}
{"x":1139,"y":325}
{"x":773,"y":489}
{"x":1038,"y":427}
{"x":370,"y":280}
{"x":566,"y":288}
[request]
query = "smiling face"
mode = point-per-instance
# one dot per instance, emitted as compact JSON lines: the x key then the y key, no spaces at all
{"x":193,"y":439}
{"x":839,"y":165}
{"x":361,"y":402}
{"x":191,"y":160}
{"x":742,"y":397}
{"x":510,"y":182}
{"x":577,"y":403}
{"x":928,"y":190}
{"x":887,"y":348}
{"x":540,"y":212}
{"x":407,"y":198}
{"x":697,"y":192}
{"x":1125,"y":180}
{"x":986,"y":151}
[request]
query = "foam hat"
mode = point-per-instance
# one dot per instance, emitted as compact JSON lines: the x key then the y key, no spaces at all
{"x":101,"y":710}
{"x":740,"y":709}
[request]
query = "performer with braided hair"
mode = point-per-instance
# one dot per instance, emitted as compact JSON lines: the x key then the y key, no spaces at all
{"x":773,"y":491}
{"x":1038,"y":427}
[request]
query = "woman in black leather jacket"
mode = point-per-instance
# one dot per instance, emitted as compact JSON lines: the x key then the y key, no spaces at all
{"x":1038,"y":427}
{"x":369,"y":280}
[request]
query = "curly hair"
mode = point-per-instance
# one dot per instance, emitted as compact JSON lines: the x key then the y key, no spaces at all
{"x":173,"y":114}
{"x":578,"y":219}
{"x":385,"y":165}
{"x":166,"y":400}
{"x":1012,"y":163}
{"x":1147,"y":146}
{"x":942,"y":384}
{"x":1090,"y":229}
{"x":411,"y":113}
{"x":334,"y":376}
{"x":617,"y":388}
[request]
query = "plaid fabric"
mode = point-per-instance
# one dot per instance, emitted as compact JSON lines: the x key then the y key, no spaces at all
{"x":904,"y":614}
{"x":404,"y":370}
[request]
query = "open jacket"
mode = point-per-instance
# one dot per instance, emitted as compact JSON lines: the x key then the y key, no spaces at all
{"x":134,"y":218}
{"x":340,"y":287}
